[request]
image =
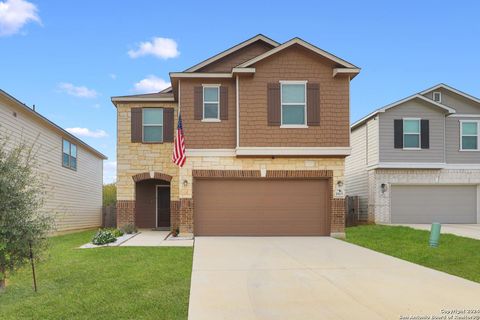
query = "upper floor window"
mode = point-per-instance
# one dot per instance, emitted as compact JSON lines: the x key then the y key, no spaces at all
{"x":411,"y":133}
{"x":211,"y":102}
{"x":437,"y":96}
{"x":294,"y":103}
{"x":469,"y":135}
{"x":69,"y":155}
{"x":152,"y":124}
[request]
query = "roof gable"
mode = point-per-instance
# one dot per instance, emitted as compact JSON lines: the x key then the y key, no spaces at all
{"x":233,"y":49}
{"x":302,"y":43}
{"x":451,"y":89}
{"x":397,"y":103}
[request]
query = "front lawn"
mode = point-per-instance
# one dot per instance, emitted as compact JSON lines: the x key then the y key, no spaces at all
{"x":102,"y":283}
{"x":456,"y":255}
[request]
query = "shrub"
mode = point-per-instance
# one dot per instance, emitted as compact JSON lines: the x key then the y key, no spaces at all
{"x":129,"y":228}
{"x":116,"y":232}
{"x":103,"y":237}
{"x":109,"y":194}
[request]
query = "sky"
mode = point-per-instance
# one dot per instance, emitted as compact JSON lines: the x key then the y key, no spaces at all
{"x":69,"y":57}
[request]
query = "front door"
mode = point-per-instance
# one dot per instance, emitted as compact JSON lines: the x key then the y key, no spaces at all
{"x":163,"y":206}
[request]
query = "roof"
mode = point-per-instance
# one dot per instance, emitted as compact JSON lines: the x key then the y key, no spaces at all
{"x":399,"y":102}
{"x":164,"y":95}
{"x":302,"y":43}
{"x":259,"y":37}
{"x":38,"y":116}
{"x":447,"y":87}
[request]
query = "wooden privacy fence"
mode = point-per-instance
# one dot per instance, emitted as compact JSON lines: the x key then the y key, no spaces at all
{"x":109,"y":216}
{"x":352,"y":207}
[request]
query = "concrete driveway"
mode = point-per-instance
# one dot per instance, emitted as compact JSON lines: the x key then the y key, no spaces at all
{"x":462,"y":230}
{"x":315,"y":278}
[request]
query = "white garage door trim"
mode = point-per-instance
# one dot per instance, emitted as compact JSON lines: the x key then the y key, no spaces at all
{"x":392,"y":199}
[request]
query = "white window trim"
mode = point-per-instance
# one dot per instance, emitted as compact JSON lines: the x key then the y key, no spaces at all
{"x":419,"y":134}
{"x":471,"y":135}
{"x":150,"y":125}
{"x":293,"y":126}
{"x":439,"y":94}
{"x":217,"y":119}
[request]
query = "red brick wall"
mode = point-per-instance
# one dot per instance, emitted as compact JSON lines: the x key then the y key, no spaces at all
{"x":125,"y":212}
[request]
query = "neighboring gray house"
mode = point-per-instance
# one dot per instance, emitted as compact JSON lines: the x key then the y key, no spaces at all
{"x":72,"y":170}
{"x":418,"y":160}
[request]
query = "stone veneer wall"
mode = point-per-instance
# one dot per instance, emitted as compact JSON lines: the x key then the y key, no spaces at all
{"x":379,"y":203}
{"x":140,"y":161}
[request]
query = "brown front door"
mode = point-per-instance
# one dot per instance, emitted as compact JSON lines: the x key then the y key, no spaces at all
{"x":163,"y":206}
{"x":261,"y":207}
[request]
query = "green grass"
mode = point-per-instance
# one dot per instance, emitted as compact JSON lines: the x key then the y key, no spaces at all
{"x":102,"y":283}
{"x":456,"y":255}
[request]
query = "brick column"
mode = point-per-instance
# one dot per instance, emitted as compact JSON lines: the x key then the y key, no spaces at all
{"x":185,"y":213}
{"x":125,"y":212}
{"x":337,"y":222}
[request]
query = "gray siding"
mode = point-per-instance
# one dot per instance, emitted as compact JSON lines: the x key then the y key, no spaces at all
{"x":74,"y":196}
{"x":414,"y":109}
{"x":372,"y":141}
{"x":461,"y":104}
{"x":454,"y":155}
{"x":356,"y":175}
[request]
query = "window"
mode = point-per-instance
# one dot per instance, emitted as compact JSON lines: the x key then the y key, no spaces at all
{"x":211,"y":102}
{"x":411,"y":133}
{"x":294,"y":102}
{"x":152,"y":125}
{"x":69,"y":155}
{"x":437,"y":96}
{"x":469,"y":135}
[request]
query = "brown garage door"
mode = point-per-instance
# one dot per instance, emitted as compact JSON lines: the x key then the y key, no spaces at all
{"x":261,"y":207}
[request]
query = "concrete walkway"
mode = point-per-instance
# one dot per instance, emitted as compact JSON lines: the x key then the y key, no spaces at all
{"x":463,"y":230}
{"x":149,"y":238}
{"x":315,"y":278}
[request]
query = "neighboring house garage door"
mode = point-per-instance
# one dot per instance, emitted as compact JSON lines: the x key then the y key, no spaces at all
{"x":427,"y":204}
{"x":260,"y":207}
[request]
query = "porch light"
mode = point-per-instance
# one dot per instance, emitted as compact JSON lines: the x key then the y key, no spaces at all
{"x":185,"y":183}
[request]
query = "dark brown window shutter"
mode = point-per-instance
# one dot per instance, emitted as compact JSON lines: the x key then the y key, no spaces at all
{"x":398,"y":133}
{"x":223,"y":103}
{"x":168,"y":125}
{"x":136,"y":124}
{"x":313,"y":104}
{"x":425,"y":133}
{"x":198,"y":103}
{"x":273,"y":104}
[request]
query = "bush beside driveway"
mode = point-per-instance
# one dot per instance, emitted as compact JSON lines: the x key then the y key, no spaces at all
{"x":103,"y":283}
{"x":456,"y":255}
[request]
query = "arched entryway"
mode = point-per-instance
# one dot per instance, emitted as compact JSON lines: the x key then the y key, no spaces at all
{"x":152,"y":195}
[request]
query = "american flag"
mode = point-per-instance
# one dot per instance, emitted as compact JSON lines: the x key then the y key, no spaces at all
{"x":179,"y":156}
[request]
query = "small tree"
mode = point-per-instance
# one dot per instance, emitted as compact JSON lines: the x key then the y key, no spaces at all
{"x":23,"y":223}
{"x":109,"y":194}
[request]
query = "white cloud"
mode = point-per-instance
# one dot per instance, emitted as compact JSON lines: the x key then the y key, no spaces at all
{"x":109,"y":171}
{"x":85,"y":132}
{"x":14,"y":14}
{"x":151,"y":84}
{"x":164,"y":48}
{"x":77,"y":91}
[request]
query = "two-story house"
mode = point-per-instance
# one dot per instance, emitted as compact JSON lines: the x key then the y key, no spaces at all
{"x":70,"y":170}
{"x":266,"y":130}
{"x":418,"y":160}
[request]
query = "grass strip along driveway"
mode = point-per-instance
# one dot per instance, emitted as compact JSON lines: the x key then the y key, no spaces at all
{"x":456,"y":255}
{"x":102,"y":283}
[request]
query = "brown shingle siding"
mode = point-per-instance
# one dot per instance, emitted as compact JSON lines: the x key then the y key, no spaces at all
{"x":207,"y":135}
{"x":294,"y":63}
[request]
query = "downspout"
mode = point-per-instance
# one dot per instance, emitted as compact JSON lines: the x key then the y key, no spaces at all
{"x":237,"y":111}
